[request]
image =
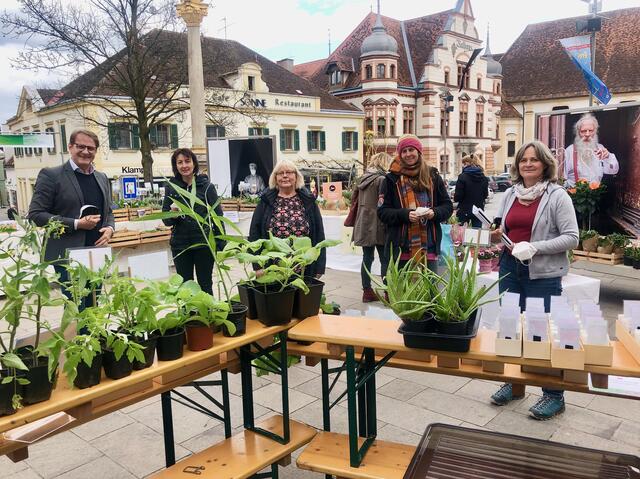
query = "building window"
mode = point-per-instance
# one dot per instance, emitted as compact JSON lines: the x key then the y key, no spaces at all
{"x":497,"y":129}
{"x":215,"y":131}
{"x":368,"y":124}
{"x":444,"y":124}
{"x":336,"y":77}
{"x":446,"y":77}
{"x":381,"y":127}
{"x":258,"y":131}
{"x":392,"y":71}
{"x":462,"y":125}
{"x":380,"y":70}
{"x":63,"y":137}
{"x":479,"y":84}
{"x":37,"y":151}
{"x":289,"y":140}
{"x":49,"y":130}
{"x":251,"y":83}
{"x":479,"y":121}
{"x":18,"y":152}
{"x":407,"y":121}
{"x":349,"y":141}
{"x":466,"y":78}
{"x":368,"y":72}
{"x":120,"y":136}
{"x":316,"y":140}
{"x":511,"y":149}
{"x":497,"y":88}
{"x":392,"y":126}
{"x":444,"y":163}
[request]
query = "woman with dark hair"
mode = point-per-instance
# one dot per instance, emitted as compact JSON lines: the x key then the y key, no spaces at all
{"x":186,"y":231}
{"x":413,"y":201}
{"x":472,"y":189}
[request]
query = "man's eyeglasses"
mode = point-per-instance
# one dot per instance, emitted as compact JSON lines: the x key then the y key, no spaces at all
{"x":285,"y":173}
{"x":90,"y":149}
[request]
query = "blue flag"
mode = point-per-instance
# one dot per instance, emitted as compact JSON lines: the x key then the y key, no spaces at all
{"x":579,"y":50}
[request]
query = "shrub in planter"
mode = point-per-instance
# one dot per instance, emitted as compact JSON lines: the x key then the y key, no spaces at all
{"x":605,"y":246}
{"x":619,"y":242}
{"x":329,"y":308}
{"x":628,"y":256}
{"x":485,"y":260}
{"x":589,"y":240}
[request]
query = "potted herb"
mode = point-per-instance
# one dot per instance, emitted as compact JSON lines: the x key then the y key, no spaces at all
{"x":589,"y":240}
{"x":485,"y":260}
{"x":332,"y":308}
{"x":628,"y":256}
{"x":605,"y":246}
{"x":619,"y":242}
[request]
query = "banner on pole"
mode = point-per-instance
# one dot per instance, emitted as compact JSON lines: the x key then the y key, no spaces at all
{"x":35,"y":140}
{"x":579,"y":50}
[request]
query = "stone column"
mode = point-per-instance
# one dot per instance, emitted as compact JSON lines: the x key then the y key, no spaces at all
{"x":192,"y":12}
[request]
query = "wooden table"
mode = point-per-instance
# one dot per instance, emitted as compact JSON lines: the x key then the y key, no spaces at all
{"x":339,"y":337}
{"x":110,"y":395}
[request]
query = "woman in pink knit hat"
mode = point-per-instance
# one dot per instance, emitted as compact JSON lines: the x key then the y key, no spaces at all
{"x":412,"y":202}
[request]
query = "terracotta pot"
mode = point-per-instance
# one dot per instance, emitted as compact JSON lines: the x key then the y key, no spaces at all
{"x":485,"y":265}
{"x":495,"y":264}
{"x":199,"y":337}
{"x":590,"y":244}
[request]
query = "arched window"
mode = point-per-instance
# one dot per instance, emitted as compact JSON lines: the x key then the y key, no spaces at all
{"x":380,"y":70}
{"x":392,"y":71}
{"x":479,"y":83}
{"x":447,"y":76}
{"x":382,"y":126}
{"x":368,"y":124}
{"x":368,"y":72}
{"x":497,"y":88}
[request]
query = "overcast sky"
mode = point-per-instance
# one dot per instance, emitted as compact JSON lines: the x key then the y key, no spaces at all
{"x":300,"y":29}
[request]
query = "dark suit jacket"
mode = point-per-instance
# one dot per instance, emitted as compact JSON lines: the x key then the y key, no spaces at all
{"x":57,"y":195}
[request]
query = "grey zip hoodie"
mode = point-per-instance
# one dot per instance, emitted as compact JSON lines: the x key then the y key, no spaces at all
{"x":554,"y":231}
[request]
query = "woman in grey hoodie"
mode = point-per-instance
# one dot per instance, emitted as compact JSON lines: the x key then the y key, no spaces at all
{"x":369,"y":231}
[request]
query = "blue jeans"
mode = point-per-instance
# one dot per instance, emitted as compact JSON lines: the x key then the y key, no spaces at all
{"x":514,"y":277}
{"x":368,"y":253}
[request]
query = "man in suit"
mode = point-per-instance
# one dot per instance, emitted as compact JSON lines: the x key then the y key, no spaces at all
{"x":60,"y":193}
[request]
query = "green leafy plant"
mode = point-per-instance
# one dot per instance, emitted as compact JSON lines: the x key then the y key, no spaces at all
{"x":329,"y":308}
{"x":265,"y":366}
{"x":586,"y":199}
{"x":485,"y":254}
{"x":619,"y":240}
{"x":587,"y":234}
{"x":628,"y":251}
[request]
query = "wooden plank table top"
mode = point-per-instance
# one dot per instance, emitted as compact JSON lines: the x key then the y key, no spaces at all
{"x":383,"y":334}
{"x":64,"y":398}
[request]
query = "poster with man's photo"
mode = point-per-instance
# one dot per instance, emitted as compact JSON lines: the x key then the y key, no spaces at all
{"x":601,"y":146}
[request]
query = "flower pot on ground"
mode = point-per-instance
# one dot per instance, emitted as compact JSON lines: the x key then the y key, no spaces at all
{"x":308,"y":304}
{"x":274,"y":306}
{"x":589,"y":240}
{"x":332,"y":308}
{"x":170,"y":345}
{"x":619,"y":242}
{"x":116,"y":368}
{"x":238,"y":317}
{"x":199,"y":336}
{"x":605,"y":246}
{"x":636,"y":263}
{"x":247,"y":297}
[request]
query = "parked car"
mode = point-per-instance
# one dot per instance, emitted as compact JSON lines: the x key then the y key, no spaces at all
{"x":451,"y":188}
{"x":499,"y":183}
{"x":504,"y":175}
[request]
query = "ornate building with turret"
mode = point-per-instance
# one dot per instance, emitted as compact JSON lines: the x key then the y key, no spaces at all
{"x":398,"y":73}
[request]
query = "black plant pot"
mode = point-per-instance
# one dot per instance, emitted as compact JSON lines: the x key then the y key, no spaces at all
{"x":636,"y":263}
{"x":89,"y":375}
{"x":425,"y":325}
{"x":238,"y":316}
{"x":306,"y":305}
{"x":116,"y":368}
{"x":628,"y":260}
{"x":455,"y":328}
{"x":274,"y":307}
{"x":39,"y":388}
{"x":149,"y":352}
{"x":6,"y":394}
{"x":247,"y":297}
{"x":171,"y":345}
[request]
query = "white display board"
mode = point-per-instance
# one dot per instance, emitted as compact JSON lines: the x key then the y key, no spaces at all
{"x":91,"y":257}
{"x":150,"y":265}
{"x":219,"y":165}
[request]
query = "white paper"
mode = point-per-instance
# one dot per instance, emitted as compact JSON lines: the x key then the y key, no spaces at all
{"x":476,"y":236}
{"x":92,"y":258}
{"x":535,"y":305}
{"x":484,"y":219}
{"x":149,"y":266}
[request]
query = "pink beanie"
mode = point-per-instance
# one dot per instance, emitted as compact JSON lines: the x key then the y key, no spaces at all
{"x":408,"y":140}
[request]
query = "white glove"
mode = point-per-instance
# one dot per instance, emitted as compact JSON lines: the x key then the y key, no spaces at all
{"x":523,"y":251}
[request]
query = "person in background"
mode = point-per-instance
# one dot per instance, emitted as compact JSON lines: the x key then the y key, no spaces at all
{"x":185,"y":231}
{"x":369,"y":231}
{"x":538,"y":216}
{"x":254,"y":183}
{"x":61,"y":192}
{"x":472,"y":189}
{"x":286,"y":209}
{"x":412,"y":202}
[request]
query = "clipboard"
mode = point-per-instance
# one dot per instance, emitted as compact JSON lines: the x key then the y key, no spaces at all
{"x":484,"y":219}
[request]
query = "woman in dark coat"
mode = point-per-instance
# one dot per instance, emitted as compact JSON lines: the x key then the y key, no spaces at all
{"x":413,"y":202}
{"x":472,"y":189}
{"x":286,"y":209}
{"x":185,"y":231}
{"x":369,"y":232}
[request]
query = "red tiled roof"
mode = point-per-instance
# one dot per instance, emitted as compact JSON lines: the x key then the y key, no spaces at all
{"x":508,"y":111}
{"x":617,"y":58}
{"x":308,"y":69}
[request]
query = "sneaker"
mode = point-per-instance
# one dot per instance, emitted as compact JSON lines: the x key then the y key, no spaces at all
{"x":504,"y":395}
{"x":547,"y":407}
{"x":368,"y":295}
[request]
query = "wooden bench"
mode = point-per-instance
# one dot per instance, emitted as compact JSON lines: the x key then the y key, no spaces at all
{"x":328,"y":453}
{"x":242,"y":455}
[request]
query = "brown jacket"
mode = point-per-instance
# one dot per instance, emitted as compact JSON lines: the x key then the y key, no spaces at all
{"x":368,"y":230}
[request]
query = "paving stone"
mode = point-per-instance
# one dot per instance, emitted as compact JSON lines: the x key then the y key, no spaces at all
{"x":104,"y":425}
{"x":392,"y":433}
{"x":579,"y":438}
{"x":60,"y":453}
{"x":311,"y":414}
{"x":101,"y":468}
{"x":591,"y":422}
{"x":24,"y":474}
{"x":628,"y":433}
{"x":235,"y":383}
{"x":461,"y":408}
{"x":141,"y":404}
{"x":297,"y":376}
{"x":409,"y":416}
{"x":9,"y":468}
{"x":137,"y":448}
{"x":511,"y":422}
{"x":482,"y":390}
{"x":206,"y":439}
{"x":401,"y":389}
{"x":619,"y":407}
{"x":442,"y":382}
{"x":270,"y":397}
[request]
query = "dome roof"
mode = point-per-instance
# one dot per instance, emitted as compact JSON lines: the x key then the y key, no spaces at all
{"x":379,"y":42}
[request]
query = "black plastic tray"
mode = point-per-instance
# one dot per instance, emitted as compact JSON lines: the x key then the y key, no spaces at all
{"x":442,"y":342}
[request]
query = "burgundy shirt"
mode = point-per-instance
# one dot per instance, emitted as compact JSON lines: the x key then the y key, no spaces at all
{"x":519,"y":220}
